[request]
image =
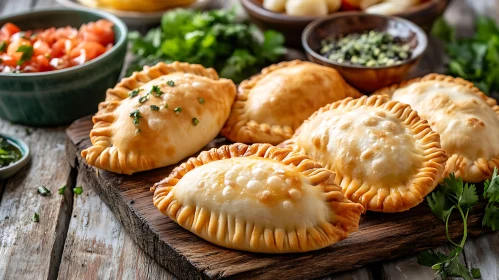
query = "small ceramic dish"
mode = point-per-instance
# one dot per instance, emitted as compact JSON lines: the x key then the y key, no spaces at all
{"x":138,"y":18}
{"x":366,"y":79}
{"x":7,"y":171}
{"x":292,"y":26}
{"x":61,"y":96}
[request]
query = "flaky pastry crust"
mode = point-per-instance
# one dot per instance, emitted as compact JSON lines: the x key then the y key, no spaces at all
{"x":384,"y":155}
{"x":172,"y":112}
{"x":304,"y":211}
{"x":271,"y":105}
{"x":466,"y":119}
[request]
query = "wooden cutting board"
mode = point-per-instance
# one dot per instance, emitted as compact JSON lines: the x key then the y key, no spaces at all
{"x":380,"y":237}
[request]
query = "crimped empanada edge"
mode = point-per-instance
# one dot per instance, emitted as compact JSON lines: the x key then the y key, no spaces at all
{"x":347,"y":213}
{"x":458,"y":164}
{"x":427,"y":177}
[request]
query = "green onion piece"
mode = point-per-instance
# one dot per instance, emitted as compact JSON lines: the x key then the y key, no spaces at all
{"x":195,"y":121}
{"x":134,"y":92}
{"x":35,"y":218}
{"x":201,"y":100}
{"x":61,"y":190}
{"x":170,"y":83}
{"x":78,"y":190}
{"x":43,"y":191}
{"x":156,"y":91}
{"x":154,"y":108}
{"x":177,"y":110}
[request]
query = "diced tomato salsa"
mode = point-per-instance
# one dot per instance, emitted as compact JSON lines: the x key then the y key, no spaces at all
{"x":53,"y":48}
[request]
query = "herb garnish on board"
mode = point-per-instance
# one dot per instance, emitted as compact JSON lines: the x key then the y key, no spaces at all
{"x":212,"y":38}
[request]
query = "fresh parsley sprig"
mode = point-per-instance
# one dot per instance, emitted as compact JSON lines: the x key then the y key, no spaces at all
{"x":453,"y":195}
{"x":491,"y":194}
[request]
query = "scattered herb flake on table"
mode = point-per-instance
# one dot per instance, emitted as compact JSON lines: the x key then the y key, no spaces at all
{"x":78,"y":190}
{"x":61,"y":190}
{"x":43,"y":191}
{"x":212,"y":38}
{"x":476,"y":58}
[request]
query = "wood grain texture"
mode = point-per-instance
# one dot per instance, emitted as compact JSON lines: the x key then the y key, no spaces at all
{"x":97,"y":246}
{"x":483,"y":252}
{"x":380,"y":237}
{"x":31,"y":250}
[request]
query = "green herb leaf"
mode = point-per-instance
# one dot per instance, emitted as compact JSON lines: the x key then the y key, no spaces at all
{"x":35,"y":218}
{"x":134,"y":92}
{"x":27,"y":54}
{"x":201,"y":100}
{"x":43,"y":191}
{"x":442,"y":30}
{"x":475,"y":273}
{"x":61,"y":190}
{"x":135,"y":114}
{"x":195,"y":121}
{"x":166,"y":106}
{"x":78,"y":190}
{"x":3,"y":46}
{"x":170,"y":83}
{"x":143,"y":99}
{"x":156,"y":91}
{"x":428,"y":258}
{"x":439,"y":205}
{"x":491,"y":188}
{"x":469,"y":197}
{"x":154,"y":108}
{"x":178,"y":110}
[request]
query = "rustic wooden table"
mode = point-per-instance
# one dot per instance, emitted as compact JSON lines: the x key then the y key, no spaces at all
{"x":79,"y":238}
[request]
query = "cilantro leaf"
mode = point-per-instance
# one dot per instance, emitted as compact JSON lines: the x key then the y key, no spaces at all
{"x":439,"y":205}
{"x":428,"y":258}
{"x":491,"y":188}
{"x":27,"y":54}
{"x":469,"y":198}
{"x":475,"y":273}
{"x":61,"y":190}
{"x":442,"y":30}
{"x":35,"y":218}
{"x":491,"y":218}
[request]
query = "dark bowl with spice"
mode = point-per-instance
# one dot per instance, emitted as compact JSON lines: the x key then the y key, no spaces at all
{"x":61,"y":96}
{"x":369,"y":51}
{"x":14,"y":154}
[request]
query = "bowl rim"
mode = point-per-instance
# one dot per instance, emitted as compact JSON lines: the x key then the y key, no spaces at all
{"x":418,"y":51}
{"x":283,"y":17}
{"x":102,"y":14}
{"x":24,"y":150}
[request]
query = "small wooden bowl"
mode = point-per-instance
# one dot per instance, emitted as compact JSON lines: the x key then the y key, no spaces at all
{"x":366,"y":79}
{"x":292,"y":26}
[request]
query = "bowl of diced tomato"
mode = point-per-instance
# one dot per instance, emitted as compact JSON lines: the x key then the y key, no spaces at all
{"x":56,"y":65}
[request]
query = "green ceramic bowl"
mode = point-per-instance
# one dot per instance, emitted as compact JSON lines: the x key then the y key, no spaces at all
{"x":6,"y":172}
{"x":61,"y":96}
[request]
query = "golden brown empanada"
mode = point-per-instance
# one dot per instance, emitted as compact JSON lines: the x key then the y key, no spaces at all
{"x":466,"y":119}
{"x":158,"y":117}
{"x":385,"y":157}
{"x":271,"y":105}
{"x":257,"y":198}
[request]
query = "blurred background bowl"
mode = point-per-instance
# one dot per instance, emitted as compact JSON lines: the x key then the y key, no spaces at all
{"x":292,"y":26}
{"x":61,"y":96}
{"x":366,"y":79}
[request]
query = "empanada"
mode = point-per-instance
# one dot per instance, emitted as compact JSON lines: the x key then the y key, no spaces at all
{"x":466,"y":119}
{"x":159,"y":116}
{"x":271,"y":105}
{"x":257,"y":198}
{"x":384,"y":155}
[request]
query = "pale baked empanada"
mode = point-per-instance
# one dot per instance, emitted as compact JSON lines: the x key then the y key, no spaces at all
{"x":258,"y":198}
{"x":466,"y":119}
{"x":384,"y":156}
{"x":158,"y":116}
{"x":271,"y":105}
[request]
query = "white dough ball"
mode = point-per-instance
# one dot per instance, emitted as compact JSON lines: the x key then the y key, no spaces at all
{"x":306,"y":7}
{"x":278,"y":6}
{"x":333,"y":5}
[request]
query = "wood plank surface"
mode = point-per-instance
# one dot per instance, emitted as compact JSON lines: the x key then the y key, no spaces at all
{"x":381,"y":236}
{"x":98,"y":247}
